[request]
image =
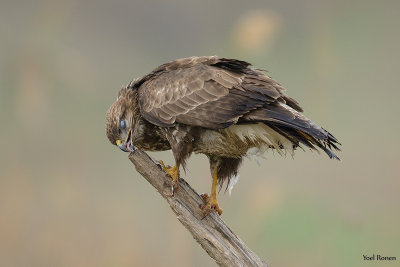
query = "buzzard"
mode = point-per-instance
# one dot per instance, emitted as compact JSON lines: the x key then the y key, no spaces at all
{"x":219,"y":107}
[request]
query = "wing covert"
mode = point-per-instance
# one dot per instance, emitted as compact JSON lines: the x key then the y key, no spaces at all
{"x":185,"y":95}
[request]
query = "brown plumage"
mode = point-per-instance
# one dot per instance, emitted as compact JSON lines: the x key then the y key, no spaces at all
{"x":215,"y":106}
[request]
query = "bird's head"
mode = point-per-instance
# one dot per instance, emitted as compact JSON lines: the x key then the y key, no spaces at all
{"x":120,"y":120}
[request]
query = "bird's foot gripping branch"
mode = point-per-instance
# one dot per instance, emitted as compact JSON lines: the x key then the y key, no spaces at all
{"x":173,"y":172}
{"x":214,"y":236}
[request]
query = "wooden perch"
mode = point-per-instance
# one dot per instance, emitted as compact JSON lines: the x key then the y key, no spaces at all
{"x":223,"y":245}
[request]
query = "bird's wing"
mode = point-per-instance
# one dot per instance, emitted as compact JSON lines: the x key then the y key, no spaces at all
{"x":211,"y":95}
{"x":216,"y":93}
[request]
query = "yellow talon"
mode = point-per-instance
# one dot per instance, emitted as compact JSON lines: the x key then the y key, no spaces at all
{"x":211,"y":202}
{"x":172,"y":171}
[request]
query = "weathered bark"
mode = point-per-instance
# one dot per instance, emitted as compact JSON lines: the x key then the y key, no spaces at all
{"x":223,"y":245}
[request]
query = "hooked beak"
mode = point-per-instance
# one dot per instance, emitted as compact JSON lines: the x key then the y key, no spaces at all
{"x":126,"y":146}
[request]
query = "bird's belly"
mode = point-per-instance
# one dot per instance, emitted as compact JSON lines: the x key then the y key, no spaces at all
{"x":242,"y":140}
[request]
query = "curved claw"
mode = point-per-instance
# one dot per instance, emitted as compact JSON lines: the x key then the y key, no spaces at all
{"x":210,"y":204}
{"x":174,"y":187}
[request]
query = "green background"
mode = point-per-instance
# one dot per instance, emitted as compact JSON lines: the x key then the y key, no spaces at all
{"x":69,"y":198}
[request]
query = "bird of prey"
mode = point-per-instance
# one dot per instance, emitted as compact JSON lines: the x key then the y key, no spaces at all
{"x":219,"y":107}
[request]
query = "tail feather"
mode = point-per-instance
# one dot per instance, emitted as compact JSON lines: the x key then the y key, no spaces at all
{"x":298,"y":137}
{"x":294,"y":126}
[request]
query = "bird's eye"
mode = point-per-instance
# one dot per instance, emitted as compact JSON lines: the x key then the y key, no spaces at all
{"x":122,"y":124}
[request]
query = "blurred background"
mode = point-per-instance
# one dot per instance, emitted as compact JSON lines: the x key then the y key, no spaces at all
{"x":70,"y":198}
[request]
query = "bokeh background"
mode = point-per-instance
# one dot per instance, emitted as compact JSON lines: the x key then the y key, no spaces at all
{"x":69,"y":198}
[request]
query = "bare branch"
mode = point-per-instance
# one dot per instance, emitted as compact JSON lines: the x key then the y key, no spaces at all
{"x":223,"y":245}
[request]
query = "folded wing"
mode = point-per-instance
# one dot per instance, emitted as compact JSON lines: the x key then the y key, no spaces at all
{"x":215,"y":93}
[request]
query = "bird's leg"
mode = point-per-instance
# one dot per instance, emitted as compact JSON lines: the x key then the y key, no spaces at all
{"x":174,"y":173}
{"x":211,"y":202}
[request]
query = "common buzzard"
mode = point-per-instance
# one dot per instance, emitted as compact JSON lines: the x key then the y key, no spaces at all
{"x":215,"y":106}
